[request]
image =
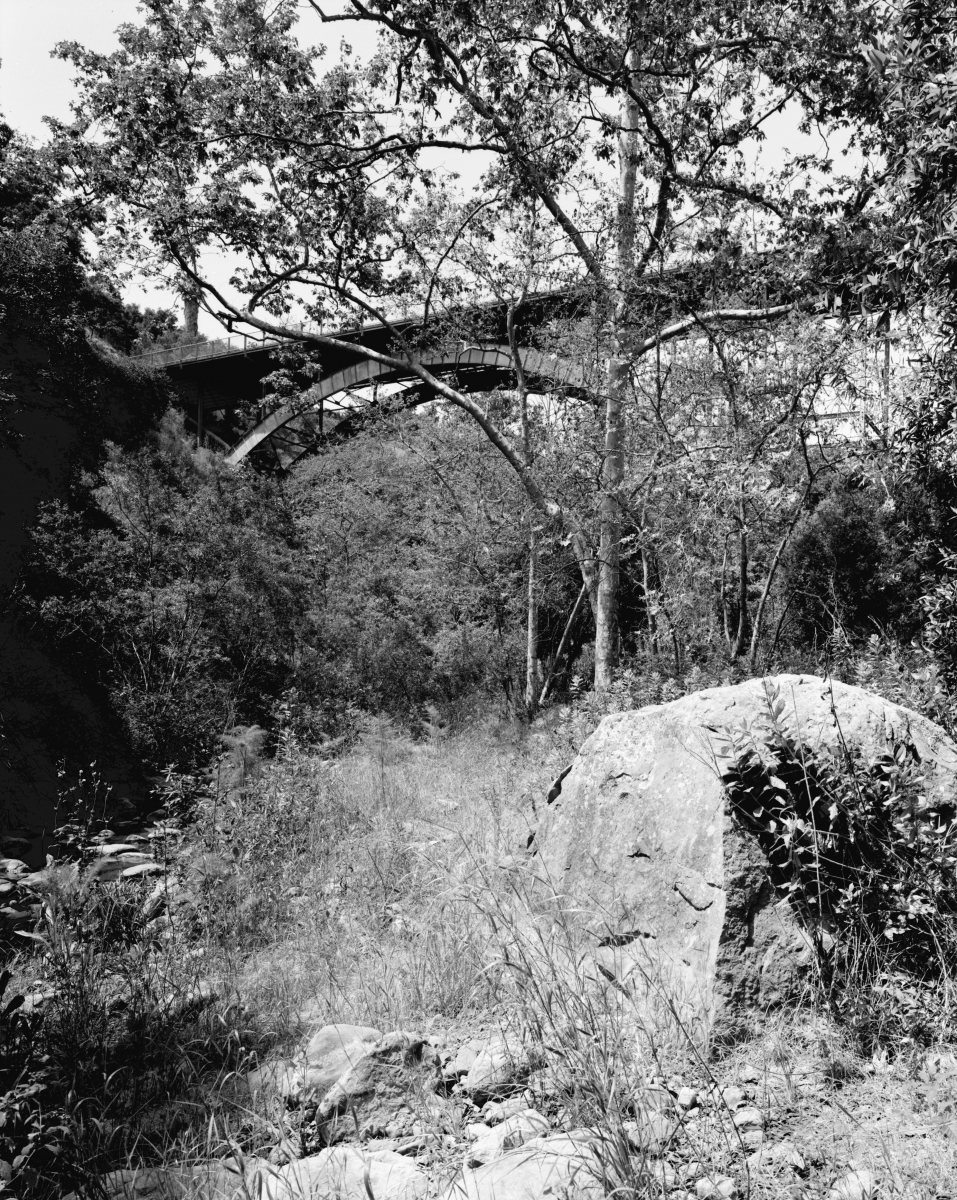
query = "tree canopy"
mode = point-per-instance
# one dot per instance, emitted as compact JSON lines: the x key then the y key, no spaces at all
{"x":602,"y":144}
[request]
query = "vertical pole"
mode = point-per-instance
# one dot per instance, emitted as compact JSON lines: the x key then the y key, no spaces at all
{"x":199,"y":422}
{"x":886,"y":403}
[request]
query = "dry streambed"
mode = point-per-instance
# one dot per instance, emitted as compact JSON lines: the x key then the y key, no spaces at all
{"x":359,"y":1114}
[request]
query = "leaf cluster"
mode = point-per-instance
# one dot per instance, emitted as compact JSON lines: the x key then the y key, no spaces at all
{"x":864,"y":853}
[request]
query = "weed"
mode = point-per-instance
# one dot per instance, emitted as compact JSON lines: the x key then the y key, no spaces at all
{"x":866,"y":857}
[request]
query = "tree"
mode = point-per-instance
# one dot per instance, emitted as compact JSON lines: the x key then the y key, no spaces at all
{"x":623,"y":126}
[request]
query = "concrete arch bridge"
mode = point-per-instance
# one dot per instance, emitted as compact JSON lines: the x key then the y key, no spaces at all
{"x":218,"y":381}
{"x":222,"y":386}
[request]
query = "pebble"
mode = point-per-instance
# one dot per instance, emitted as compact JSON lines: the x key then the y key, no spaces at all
{"x":654,"y":1098}
{"x":662,"y":1173}
{"x":733,"y":1097}
{"x":652,"y":1133}
{"x":688,"y":1098}
{"x":751,"y":1139}
{"x":749,"y":1073}
{"x":782,"y":1155}
{"x":719,"y":1188}
{"x":496,"y":1111}
{"x":748,"y":1117}
{"x":855,"y":1185}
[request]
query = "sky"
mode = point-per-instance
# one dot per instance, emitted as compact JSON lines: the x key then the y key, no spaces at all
{"x":34,"y":85}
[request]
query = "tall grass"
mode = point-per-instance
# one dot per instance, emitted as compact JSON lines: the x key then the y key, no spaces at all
{"x":390,"y":887}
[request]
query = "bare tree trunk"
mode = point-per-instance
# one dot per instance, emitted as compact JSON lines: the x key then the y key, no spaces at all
{"x":191,"y":316}
{"x":613,"y":465}
{"x":566,"y":634}
{"x":533,"y":675}
{"x":741,"y":633}
{"x":769,"y":580}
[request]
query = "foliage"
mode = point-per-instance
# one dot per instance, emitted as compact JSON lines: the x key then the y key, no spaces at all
{"x":913,"y":58}
{"x":417,"y":541}
{"x":846,"y":571}
{"x":863,"y":853}
{"x":177,"y":589}
{"x":614,"y":154}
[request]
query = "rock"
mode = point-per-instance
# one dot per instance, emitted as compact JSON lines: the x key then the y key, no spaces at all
{"x":476,"y":1129}
{"x":213,"y":1180}
{"x":748,"y":1117}
{"x":749,"y":1073}
{"x":139,"y":870}
{"x":554,"y":1166}
{"x":189,"y":1001}
{"x":654,"y":1098}
{"x":34,"y":1000}
{"x":652,"y":1133}
{"x":732,"y":1098}
{"x":16,"y":847}
{"x":13,"y":868}
{"x":460,"y":1062}
{"x":752,"y":1138}
{"x":855,"y":1185}
{"x":332,"y":1051}
{"x":500,"y":1068}
{"x":688,"y":1098}
{"x":661,"y":1172}
{"x":110,"y":867}
{"x":379,"y":1093}
{"x":935,"y":1068}
{"x":777,"y":1158}
{"x":512,"y":1133}
{"x":667,"y":893}
{"x":283,"y":1078}
{"x":6,"y":1169}
{"x":717,"y":1188}
{"x":345,"y":1173}
{"x":501,"y":1110}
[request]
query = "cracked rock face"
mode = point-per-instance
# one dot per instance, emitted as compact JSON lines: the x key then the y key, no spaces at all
{"x":639,"y":846}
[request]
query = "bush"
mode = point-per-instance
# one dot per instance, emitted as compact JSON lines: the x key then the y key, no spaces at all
{"x":177,"y":591}
{"x":867,"y":860}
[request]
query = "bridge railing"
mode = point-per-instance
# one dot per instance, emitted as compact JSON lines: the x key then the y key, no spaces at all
{"x":235,"y":343}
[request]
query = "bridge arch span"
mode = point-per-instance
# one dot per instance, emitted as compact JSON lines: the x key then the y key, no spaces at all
{"x":480,"y":361}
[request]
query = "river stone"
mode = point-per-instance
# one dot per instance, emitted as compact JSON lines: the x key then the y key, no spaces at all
{"x":213,"y":1180}
{"x":332,"y":1051}
{"x":500,"y":1068}
{"x":562,"y":1165}
{"x":509,"y":1135}
{"x":346,"y":1173}
{"x":638,"y":849}
{"x":392,"y":1082}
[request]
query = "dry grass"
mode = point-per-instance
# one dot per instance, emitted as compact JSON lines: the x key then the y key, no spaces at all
{"x":389,"y":887}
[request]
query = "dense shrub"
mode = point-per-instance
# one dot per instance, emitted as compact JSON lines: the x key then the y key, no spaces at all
{"x":868,"y":861}
{"x":177,"y":588}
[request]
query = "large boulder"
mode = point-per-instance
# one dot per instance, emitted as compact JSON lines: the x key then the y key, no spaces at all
{"x":638,"y":847}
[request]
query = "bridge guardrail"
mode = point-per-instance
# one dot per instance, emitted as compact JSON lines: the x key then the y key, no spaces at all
{"x":235,"y":343}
